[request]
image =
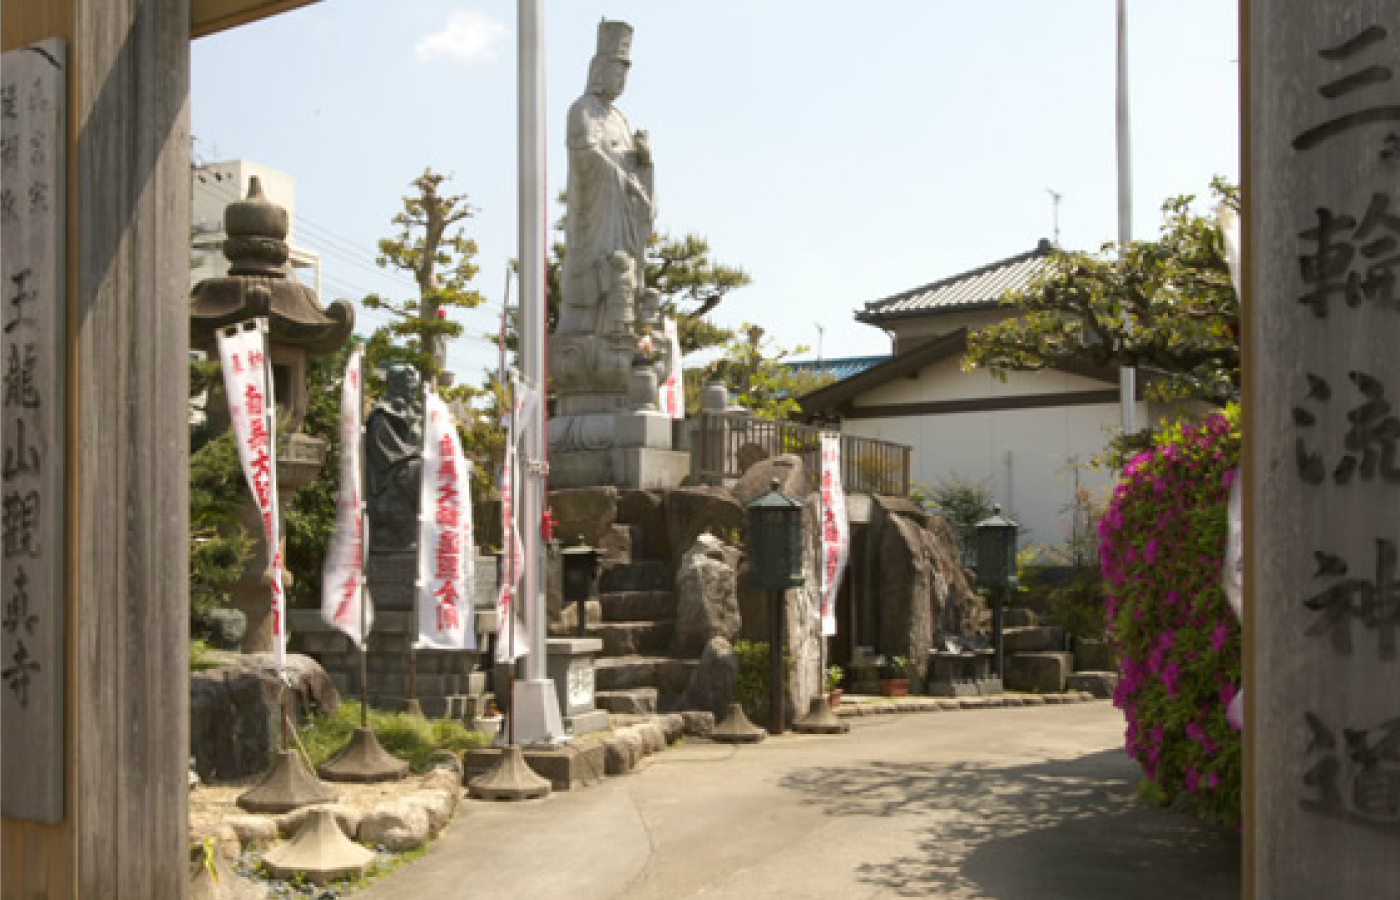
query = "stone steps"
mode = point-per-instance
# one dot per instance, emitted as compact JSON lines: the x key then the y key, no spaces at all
{"x":667,"y":674}
{"x":636,"y":606}
{"x":634,"y":638}
{"x":639,"y":575}
{"x":641,"y":701}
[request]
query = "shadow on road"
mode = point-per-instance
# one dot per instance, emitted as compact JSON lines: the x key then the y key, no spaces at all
{"x":1067,"y":828}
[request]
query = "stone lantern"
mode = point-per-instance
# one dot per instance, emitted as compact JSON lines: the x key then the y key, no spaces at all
{"x":299,"y":328}
{"x":996,"y":569}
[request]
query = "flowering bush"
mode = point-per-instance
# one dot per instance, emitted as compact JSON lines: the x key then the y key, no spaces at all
{"x":1162,"y":547}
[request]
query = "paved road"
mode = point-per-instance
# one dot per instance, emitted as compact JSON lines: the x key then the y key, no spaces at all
{"x":1031,"y":803}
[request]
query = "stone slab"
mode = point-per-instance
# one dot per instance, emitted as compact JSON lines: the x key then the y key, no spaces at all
{"x":634,"y":468}
{"x":565,"y":768}
{"x":1042,"y":673}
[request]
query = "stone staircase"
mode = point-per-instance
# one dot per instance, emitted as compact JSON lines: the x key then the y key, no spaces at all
{"x":636,"y":672}
{"x":1038,"y":659}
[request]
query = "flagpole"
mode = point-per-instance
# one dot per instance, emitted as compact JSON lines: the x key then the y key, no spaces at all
{"x":274,"y":545}
{"x":537,"y":703}
{"x":1127,"y":375}
{"x":364,"y":548}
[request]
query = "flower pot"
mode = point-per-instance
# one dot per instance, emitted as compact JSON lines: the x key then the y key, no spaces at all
{"x":833,"y":698}
{"x":894,"y":687}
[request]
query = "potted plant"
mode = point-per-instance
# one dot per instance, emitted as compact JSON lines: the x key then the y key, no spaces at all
{"x":894,"y":677}
{"x":833,"y":686}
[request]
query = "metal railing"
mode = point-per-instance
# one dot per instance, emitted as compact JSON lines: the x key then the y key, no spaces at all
{"x":725,"y":444}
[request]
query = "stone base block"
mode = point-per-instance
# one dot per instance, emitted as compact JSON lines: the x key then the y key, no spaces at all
{"x":1100,"y":684}
{"x":1094,"y":656}
{"x":1040,"y":673}
{"x":1034,"y":639}
{"x":628,"y":468}
{"x":636,"y":701}
{"x":586,"y":722}
{"x":566,"y":768}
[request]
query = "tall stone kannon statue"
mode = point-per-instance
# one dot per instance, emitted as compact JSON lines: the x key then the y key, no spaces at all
{"x":606,"y":423}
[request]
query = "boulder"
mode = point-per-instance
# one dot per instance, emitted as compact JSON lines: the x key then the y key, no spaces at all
{"x":653,"y":737}
{"x":923,"y":588}
{"x":347,"y":817}
{"x":616,"y":545}
{"x":757,"y":479}
{"x":691,"y":511}
{"x":439,"y":805}
{"x":674,"y":726}
{"x":396,"y":826}
{"x":589,"y":512}
{"x":622,"y":750}
{"x":707,"y":603}
{"x":235,"y":716}
{"x":253,"y":831}
{"x":698,"y":723}
{"x":711,"y":687}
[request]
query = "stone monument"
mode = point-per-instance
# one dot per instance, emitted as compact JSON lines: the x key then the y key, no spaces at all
{"x":602,"y":360}
{"x":298,"y":328}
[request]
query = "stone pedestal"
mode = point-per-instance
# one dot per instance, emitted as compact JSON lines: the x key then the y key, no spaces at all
{"x":629,"y":468}
{"x":571,"y":668}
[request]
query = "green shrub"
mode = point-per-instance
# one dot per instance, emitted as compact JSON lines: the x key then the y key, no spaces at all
{"x":751,"y":687}
{"x":407,"y":737}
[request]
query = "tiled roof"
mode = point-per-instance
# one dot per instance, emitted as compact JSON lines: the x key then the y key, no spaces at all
{"x":980,"y":288}
{"x":843,"y":367}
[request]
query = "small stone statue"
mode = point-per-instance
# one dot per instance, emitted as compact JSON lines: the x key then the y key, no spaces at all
{"x":394,"y":461}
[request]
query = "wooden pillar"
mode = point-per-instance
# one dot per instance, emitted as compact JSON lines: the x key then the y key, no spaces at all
{"x":1322,"y":460}
{"x":123,"y":832}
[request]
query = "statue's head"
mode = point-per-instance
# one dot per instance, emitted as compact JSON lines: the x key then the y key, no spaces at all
{"x":607,"y":72}
{"x":401,"y":382}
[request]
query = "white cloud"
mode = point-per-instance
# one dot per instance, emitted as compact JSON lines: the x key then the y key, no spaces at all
{"x":469,"y":36}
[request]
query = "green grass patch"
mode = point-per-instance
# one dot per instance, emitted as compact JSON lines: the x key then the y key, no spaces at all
{"x":407,"y":737}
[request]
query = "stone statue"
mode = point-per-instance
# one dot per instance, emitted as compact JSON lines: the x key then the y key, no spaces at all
{"x":610,"y":197}
{"x":394,"y":461}
{"x":606,"y":357}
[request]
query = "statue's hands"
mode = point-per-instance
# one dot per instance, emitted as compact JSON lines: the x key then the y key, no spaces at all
{"x":642,"y":143}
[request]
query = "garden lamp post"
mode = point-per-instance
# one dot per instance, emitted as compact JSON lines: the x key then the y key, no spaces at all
{"x":996,"y":568}
{"x":775,"y":563}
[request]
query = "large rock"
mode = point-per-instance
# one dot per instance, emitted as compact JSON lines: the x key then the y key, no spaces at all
{"x":788,"y":469}
{"x":235,"y":716}
{"x":924,"y":591}
{"x":711,"y":687}
{"x":589,"y":512}
{"x":692,"y":511}
{"x":1091,"y":655}
{"x":707,"y":600}
{"x":1099,"y":684}
{"x":1034,"y":639}
{"x":396,"y":826}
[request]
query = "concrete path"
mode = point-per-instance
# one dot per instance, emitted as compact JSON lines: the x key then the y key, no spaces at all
{"x":1031,"y":803}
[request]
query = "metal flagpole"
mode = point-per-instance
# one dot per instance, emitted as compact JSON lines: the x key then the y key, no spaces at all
{"x":540,"y":720}
{"x":1127,"y":375}
{"x":364,"y":550}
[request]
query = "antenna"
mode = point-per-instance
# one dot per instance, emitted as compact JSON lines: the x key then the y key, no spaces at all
{"x":1055,"y":198}
{"x":821,"y":332}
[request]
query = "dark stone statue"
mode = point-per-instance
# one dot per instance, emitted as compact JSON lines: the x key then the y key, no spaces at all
{"x":394,"y":462}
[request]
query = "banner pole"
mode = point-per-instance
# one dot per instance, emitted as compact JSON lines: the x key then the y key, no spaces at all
{"x":364,"y":550}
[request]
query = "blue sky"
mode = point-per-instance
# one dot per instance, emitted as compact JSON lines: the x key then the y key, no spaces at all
{"x":838,"y":152}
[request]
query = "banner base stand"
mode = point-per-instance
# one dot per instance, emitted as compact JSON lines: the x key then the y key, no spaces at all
{"x":535,"y":708}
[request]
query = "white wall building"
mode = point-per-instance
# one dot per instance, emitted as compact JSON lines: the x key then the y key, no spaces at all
{"x":216,"y":185}
{"x":1028,"y":438}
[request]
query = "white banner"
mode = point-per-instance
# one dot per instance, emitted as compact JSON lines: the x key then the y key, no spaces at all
{"x":672,"y":393}
{"x":243,"y":353}
{"x":446,"y":560}
{"x":511,"y":642}
{"x":836,"y":529}
{"x":343,"y":574}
